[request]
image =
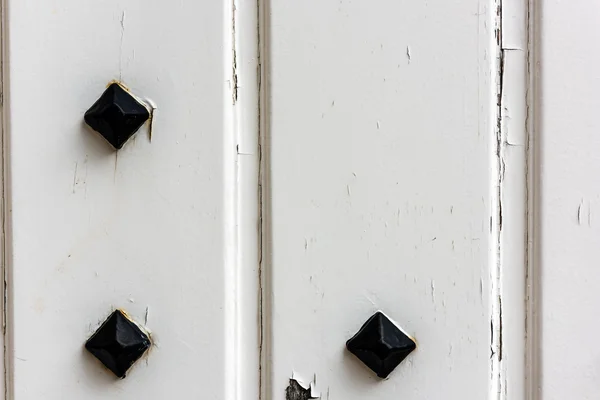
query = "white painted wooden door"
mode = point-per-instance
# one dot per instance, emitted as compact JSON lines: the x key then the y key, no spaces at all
{"x":307,"y":164}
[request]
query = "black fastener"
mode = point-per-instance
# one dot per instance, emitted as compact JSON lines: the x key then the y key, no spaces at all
{"x":116,"y":115}
{"x":381,"y":345}
{"x":118,"y":343}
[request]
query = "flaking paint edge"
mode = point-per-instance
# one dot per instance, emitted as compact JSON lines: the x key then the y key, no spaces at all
{"x":509,"y":219}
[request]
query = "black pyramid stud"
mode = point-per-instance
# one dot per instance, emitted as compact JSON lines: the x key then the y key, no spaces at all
{"x":381,"y":345}
{"x":116,"y":115}
{"x":118,"y":343}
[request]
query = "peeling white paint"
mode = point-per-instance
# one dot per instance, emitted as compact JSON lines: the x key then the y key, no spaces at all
{"x":510,"y":216}
{"x":307,"y":384}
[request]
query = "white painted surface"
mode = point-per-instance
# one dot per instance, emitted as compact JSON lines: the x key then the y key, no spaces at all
{"x":151,"y":230}
{"x":391,"y":179}
{"x":383,"y":183}
{"x":243,"y":287}
{"x":568,"y":200}
{"x":511,"y":264}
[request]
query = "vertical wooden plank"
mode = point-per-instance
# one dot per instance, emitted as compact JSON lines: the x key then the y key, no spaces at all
{"x":382,"y":142}
{"x":245,"y":318}
{"x":568,"y":198}
{"x":4,"y":210}
{"x":513,"y":214}
{"x":153,"y":228}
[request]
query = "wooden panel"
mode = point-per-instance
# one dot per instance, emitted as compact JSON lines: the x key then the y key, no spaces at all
{"x":382,"y":157}
{"x":143,"y":229}
{"x":568,"y":199}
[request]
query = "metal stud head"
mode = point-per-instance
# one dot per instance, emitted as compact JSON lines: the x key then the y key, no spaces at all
{"x":381,"y":345}
{"x":118,"y":343}
{"x":116,"y":115}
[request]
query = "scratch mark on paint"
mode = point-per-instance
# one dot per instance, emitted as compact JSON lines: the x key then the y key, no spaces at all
{"x":481,"y":288}
{"x":348,"y":190}
{"x":579,"y":212}
{"x":75,"y":176}
{"x":121,"y":46}
{"x":378,"y":125}
{"x":432,"y":291}
{"x":116,"y":164}
{"x":408,"y":56}
{"x":589,"y":219}
{"x":500,"y":330}
{"x":186,"y":344}
{"x":368,"y":297}
{"x":146,"y":315}
{"x":85,"y":162}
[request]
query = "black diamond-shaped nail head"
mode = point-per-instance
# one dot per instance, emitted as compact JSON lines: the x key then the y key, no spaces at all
{"x":118,"y":343}
{"x":381,"y":345}
{"x":116,"y":115}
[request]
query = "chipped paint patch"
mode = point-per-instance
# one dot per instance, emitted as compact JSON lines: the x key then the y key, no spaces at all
{"x":295,"y":391}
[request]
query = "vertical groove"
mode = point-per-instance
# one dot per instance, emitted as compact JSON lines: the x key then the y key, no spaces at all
{"x":259,"y":101}
{"x":234,"y":76}
{"x":5,"y":207}
{"x":229,"y":198}
{"x":496,"y":216}
{"x":532,"y":335}
{"x":246,"y":272}
{"x":264,"y":202}
{"x":511,"y":197}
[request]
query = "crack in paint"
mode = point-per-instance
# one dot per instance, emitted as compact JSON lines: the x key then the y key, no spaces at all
{"x":122,"y":21}
{"x":262,"y":380}
{"x":530,"y":372}
{"x":4,"y":210}
{"x":234,"y":76}
{"x":497,"y":375}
